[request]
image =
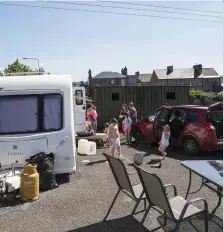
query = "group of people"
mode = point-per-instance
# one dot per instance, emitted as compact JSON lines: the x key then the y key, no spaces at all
{"x":127,"y":117}
{"x":91,"y":121}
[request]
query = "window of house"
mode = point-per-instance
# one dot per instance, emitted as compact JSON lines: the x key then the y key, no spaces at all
{"x":170,"y":95}
{"x":22,"y":114}
{"x":115,"y":96}
{"x":112,"y":82}
{"x":190,"y":83}
{"x":180,"y":82}
{"x":79,"y":97}
{"x":52,"y":112}
{"x":163,"y":83}
{"x":122,"y":82}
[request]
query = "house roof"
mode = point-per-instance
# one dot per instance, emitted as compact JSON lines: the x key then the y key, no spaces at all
{"x":145,"y":77}
{"x":109,"y":75}
{"x":185,"y":73}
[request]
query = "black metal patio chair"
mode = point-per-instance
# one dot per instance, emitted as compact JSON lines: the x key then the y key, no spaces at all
{"x":122,"y":179}
{"x":176,"y":208}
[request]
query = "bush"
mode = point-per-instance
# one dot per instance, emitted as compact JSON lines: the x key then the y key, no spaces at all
{"x":217,"y":97}
{"x":196,"y":93}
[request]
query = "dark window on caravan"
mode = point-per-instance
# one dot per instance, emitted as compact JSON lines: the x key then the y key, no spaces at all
{"x":22,"y":114}
{"x":170,"y":96}
{"x":79,"y":97}
{"x":52,"y":112}
{"x":115,"y":96}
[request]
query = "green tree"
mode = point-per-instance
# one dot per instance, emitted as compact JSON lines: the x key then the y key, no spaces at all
{"x":17,"y":67}
{"x":41,"y":69}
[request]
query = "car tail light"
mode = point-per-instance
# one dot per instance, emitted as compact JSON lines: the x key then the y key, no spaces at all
{"x":209,"y":126}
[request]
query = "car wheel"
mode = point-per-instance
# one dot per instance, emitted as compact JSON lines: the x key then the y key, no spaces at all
{"x":191,"y":146}
{"x":138,"y":137}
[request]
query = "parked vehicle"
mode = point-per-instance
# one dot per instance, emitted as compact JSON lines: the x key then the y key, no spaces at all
{"x":37,"y":115}
{"x":79,"y":102}
{"x":200,"y":128}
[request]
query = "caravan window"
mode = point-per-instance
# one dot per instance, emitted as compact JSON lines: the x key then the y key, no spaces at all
{"x":52,"y":112}
{"x":30,"y":113}
{"x":18,"y":114}
{"x":79,"y":97}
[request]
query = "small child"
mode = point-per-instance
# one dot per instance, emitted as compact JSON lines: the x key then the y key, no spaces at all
{"x":127,"y":127}
{"x":106,"y":126}
{"x":114,"y":137}
{"x":164,"y":143}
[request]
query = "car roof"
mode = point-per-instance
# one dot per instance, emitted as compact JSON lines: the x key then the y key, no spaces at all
{"x":198,"y":107}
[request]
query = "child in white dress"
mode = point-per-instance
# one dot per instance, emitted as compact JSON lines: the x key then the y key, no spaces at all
{"x":164,"y":143}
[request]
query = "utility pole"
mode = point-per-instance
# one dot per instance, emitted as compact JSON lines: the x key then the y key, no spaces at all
{"x":38,"y":62}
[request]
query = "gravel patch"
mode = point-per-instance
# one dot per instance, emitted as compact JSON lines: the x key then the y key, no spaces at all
{"x":81,"y":205}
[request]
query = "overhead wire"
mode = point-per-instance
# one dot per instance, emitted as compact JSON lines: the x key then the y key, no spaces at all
{"x":127,"y":8}
{"x":106,"y":12}
{"x":157,"y":6}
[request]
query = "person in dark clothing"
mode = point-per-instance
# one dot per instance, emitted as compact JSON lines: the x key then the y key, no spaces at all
{"x":176,"y":125}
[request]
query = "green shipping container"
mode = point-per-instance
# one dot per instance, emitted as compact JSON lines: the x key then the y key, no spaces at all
{"x":109,"y":99}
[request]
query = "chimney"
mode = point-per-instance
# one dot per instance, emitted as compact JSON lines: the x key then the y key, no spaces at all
{"x":197,"y":70}
{"x":90,"y":78}
{"x":90,"y":73}
{"x":137,"y":74}
{"x":122,"y":71}
{"x":169,"y":70}
{"x":125,"y":71}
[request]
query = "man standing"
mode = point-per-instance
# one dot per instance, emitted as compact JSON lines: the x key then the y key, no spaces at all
{"x":133,"y":112}
{"x":133,"y":116}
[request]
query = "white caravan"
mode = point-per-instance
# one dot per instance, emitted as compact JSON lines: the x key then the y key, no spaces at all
{"x":79,"y":102}
{"x":37,"y":115}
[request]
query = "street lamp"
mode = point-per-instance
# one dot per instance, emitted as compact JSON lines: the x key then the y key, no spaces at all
{"x":38,"y":62}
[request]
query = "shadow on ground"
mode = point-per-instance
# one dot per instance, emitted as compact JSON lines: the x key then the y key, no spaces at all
{"x":130,"y":224}
{"x":178,"y":153}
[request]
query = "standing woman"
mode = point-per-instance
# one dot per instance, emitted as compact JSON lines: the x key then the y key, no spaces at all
{"x":123,"y":112}
{"x":95,"y":116}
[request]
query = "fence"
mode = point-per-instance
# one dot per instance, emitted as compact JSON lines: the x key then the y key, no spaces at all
{"x":109,"y":99}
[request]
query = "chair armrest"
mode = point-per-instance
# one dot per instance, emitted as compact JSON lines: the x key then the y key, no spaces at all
{"x":171,"y":185}
{"x":191,"y":202}
{"x":130,"y":173}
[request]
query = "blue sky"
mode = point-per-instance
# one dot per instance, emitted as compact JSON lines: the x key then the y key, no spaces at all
{"x":72,"y":41}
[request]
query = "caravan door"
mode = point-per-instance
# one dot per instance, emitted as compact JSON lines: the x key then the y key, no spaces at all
{"x":79,"y":101}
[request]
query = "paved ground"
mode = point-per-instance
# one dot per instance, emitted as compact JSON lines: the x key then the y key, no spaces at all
{"x":81,"y":205}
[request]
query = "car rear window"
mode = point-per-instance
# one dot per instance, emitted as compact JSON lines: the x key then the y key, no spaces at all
{"x":192,"y":116}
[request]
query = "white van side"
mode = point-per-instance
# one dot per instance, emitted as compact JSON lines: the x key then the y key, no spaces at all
{"x":79,"y":103}
{"x":36,"y":115}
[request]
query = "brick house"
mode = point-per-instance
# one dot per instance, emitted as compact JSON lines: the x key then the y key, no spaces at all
{"x":208,"y":81}
{"x":113,"y":78}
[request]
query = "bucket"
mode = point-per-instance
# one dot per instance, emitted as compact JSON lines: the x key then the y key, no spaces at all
{"x":138,"y":157}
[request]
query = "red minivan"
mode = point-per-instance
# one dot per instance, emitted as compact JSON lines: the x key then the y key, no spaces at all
{"x":201,"y":127}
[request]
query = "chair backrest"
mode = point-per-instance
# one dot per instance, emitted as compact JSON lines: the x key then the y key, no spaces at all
{"x":154,"y":190}
{"x":120,"y":173}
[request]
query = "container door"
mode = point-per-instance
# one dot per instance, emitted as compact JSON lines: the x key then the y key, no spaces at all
{"x":79,"y":101}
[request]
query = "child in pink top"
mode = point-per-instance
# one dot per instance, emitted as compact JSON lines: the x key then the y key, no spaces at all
{"x":92,"y":117}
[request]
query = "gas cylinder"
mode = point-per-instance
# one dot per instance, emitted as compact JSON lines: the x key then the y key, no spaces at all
{"x":29,"y":183}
